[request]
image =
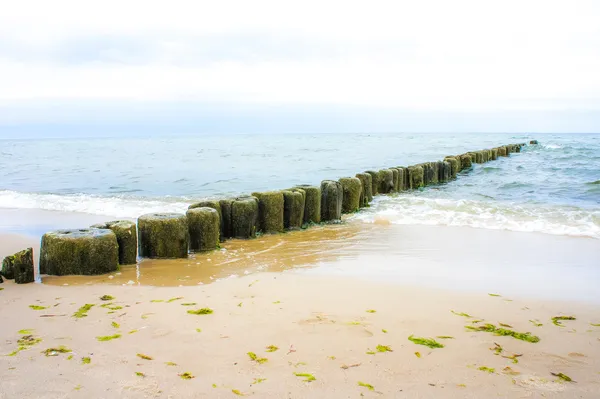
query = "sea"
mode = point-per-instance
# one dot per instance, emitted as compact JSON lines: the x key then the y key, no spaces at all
{"x":552,"y":187}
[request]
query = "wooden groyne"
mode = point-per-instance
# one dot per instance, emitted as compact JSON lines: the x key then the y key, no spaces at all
{"x":102,"y":248}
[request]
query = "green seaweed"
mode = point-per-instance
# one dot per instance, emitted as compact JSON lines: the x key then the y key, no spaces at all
{"x":272,"y":348}
{"x":107,"y":298}
{"x":276,"y":302}
{"x":1,"y":288}
{"x":170,"y":364}
{"x":37,"y":307}
{"x":157,"y":300}
{"x":145,"y":357}
{"x":383,"y":348}
{"x":563,"y":377}
{"x":70,"y":357}
{"x":198,"y":330}
{"x":82,"y":311}
{"x":418,"y":354}
{"x":370,"y":352}
{"x":368,"y":386}
{"x":174,"y":299}
{"x":556,"y":320}
{"x":259,"y":360}
{"x":111,"y":306}
{"x":140,"y":374}
{"x":146,"y":315}
{"x":56,"y":351}
{"x":86,"y":360}
{"x":108,"y":337}
{"x":445,"y":337}
{"x":494,"y":295}
{"x":115,"y":324}
{"x":536,"y":323}
{"x":202,"y":311}
{"x":383,"y":330}
{"x":461,"y":314}
{"x":30,"y":331}
{"x":258,"y":381}
{"x":429,"y":342}
{"x":595,"y":324}
{"x":506,"y":332}
{"x":189,"y":304}
{"x":371,"y":311}
{"x":132,"y":332}
{"x":186,"y":376}
{"x":487,"y":369}
{"x":237,"y":392}
{"x":307,"y":377}
{"x":240,"y":304}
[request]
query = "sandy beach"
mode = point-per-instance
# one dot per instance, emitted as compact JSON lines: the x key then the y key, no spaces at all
{"x":332,"y":311}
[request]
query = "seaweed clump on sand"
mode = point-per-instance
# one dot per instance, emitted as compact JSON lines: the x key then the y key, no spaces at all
{"x":254,"y":357}
{"x":556,"y":320}
{"x":202,"y":311}
{"x":82,"y":311}
{"x":429,"y":342}
{"x":307,"y":377}
{"x":527,"y":337}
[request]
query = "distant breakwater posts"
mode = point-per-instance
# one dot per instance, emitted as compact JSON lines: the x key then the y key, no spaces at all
{"x":102,"y":248}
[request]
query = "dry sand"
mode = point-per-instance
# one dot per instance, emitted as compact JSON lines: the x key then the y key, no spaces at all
{"x":322,"y":326}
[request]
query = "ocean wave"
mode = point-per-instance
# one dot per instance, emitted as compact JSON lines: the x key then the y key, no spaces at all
{"x":550,"y":219}
{"x":114,"y":206}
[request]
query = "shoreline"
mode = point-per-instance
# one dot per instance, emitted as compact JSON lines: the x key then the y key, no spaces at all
{"x":324,"y":326}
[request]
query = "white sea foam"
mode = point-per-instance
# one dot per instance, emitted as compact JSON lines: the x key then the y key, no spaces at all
{"x":119,"y":207}
{"x":551,"y":219}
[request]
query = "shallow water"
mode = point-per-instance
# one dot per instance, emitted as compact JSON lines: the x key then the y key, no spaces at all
{"x":552,"y":187}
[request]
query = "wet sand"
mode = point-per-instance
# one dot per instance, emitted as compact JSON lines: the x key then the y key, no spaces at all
{"x":327,"y":327}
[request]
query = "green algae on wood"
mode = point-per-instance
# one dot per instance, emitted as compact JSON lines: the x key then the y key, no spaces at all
{"x":415,"y":177}
{"x":429,"y":342}
{"x":126,"y":233}
{"x":312,"y":203}
{"x":293,"y":208}
{"x":270,"y":211}
{"x":19,"y":266}
{"x":79,"y":252}
{"x":225,"y":218}
{"x":374,"y":181}
{"x":202,"y":311}
{"x":244,"y":216}
{"x":7,"y":267}
{"x":386,"y":181}
{"x":466,"y":161}
{"x":396,"y":180}
{"x":366,"y":193}
{"x":163,"y":235}
{"x":204,"y":229}
{"x":215,"y":204}
{"x":454,"y":166}
{"x":352,"y":191}
{"x":331,"y":200}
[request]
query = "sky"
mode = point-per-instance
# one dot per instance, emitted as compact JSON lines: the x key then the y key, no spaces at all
{"x":235,"y":66}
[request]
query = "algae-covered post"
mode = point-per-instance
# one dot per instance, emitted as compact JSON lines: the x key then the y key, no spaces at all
{"x":163,"y":235}
{"x":352,"y":188}
{"x":80,"y":251}
{"x":270,"y":211}
{"x":533,"y":142}
{"x":126,"y":238}
{"x":226,"y":225}
{"x":312,"y":203}
{"x":415,"y":176}
{"x":203,"y":226}
{"x":293,"y":208}
{"x":215,"y":204}
{"x":331,"y":200}
{"x":19,"y":267}
{"x":396,"y":179}
{"x":454,"y":166}
{"x":366,"y":194}
{"x":386,"y":181}
{"x":244,"y":216}
{"x":374,"y":181}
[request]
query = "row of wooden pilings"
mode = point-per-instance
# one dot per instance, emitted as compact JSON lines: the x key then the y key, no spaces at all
{"x":102,"y":248}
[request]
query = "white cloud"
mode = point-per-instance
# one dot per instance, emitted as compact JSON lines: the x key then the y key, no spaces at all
{"x":426,"y":55}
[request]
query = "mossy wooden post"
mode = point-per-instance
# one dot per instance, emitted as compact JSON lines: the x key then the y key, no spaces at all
{"x":215,"y":204}
{"x":374,"y":181}
{"x":79,"y":251}
{"x":532,"y":142}
{"x":293,"y":208}
{"x":203,"y":226}
{"x":244,"y":216}
{"x":126,"y":233}
{"x":366,"y":194}
{"x":312,"y":203}
{"x":8,"y":270}
{"x":270,"y":211}
{"x":332,"y":196}
{"x":407,"y":184}
{"x":396,"y":179}
{"x":465,"y":161}
{"x":163,"y":235}
{"x":386,"y":181}
{"x":23,"y":266}
{"x":494,"y":154}
{"x":502,"y":151}
{"x":415,"y":175}
{"x":352,"y":188}
{"x":226,"y":226}
{"x":454,"y":166}
{"x":402,"y":174}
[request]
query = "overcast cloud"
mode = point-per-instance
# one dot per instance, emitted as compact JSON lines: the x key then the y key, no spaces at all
{"x":422,"y":56}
